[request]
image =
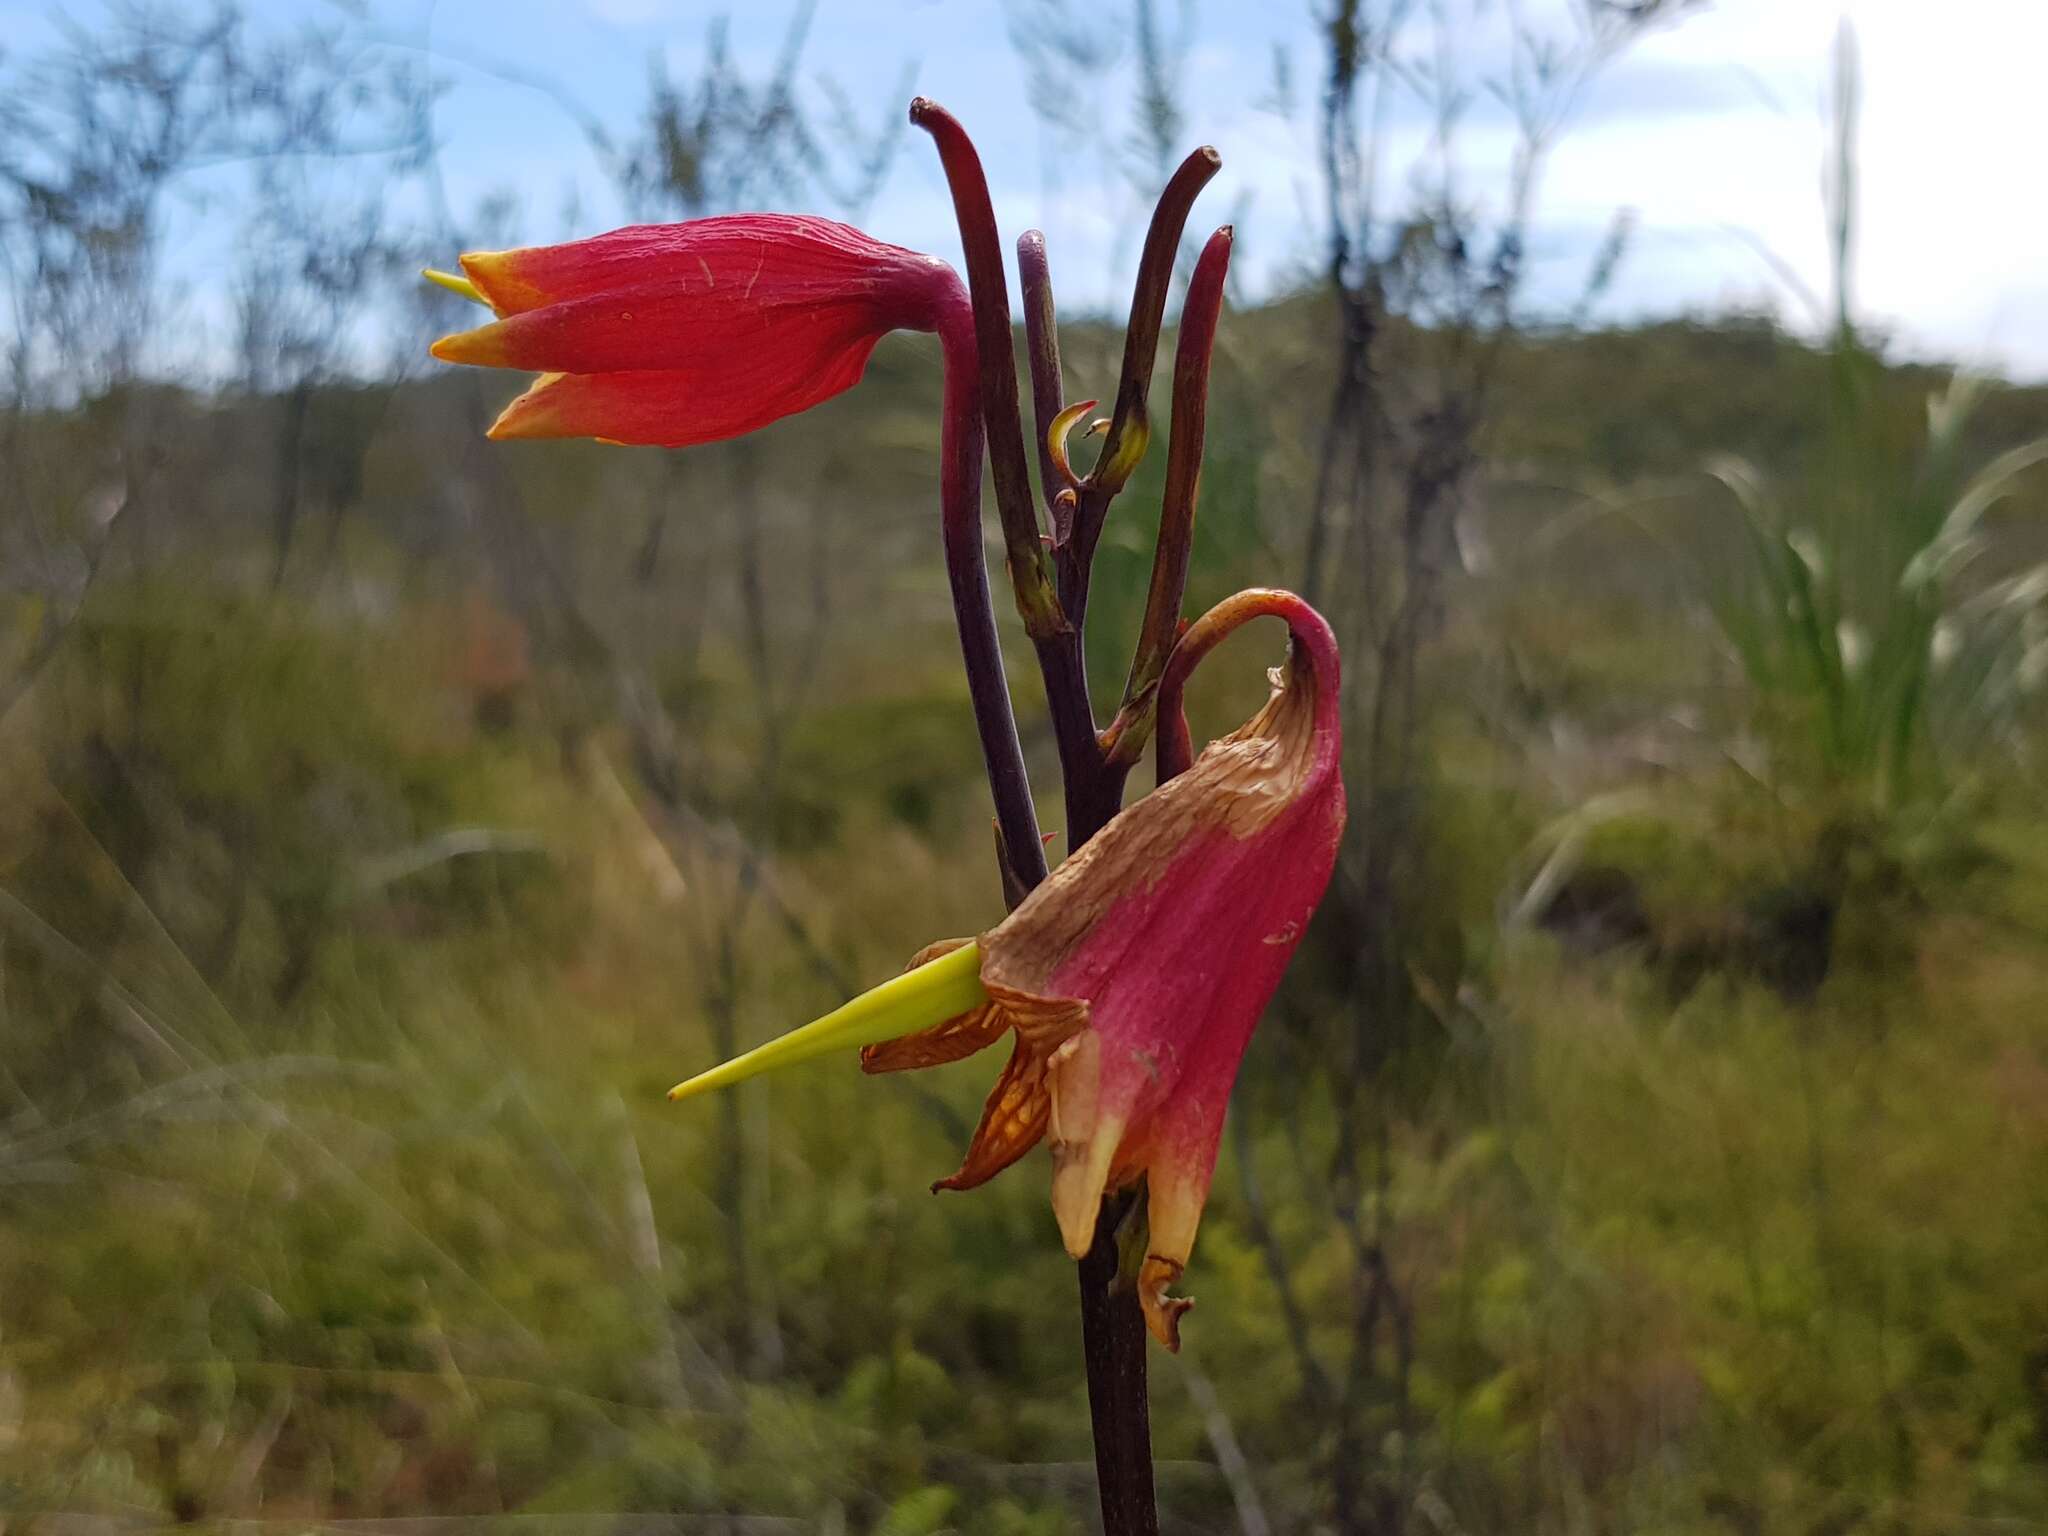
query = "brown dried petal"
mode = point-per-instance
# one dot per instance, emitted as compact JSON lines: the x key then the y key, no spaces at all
{"x":956,"y":1039}
{"x":1162,"y":1312}
{"x":1019,"y":1107}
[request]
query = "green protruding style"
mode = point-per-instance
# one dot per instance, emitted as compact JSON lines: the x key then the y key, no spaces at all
{"x":454,"y":282}
{"x":931,"y":994}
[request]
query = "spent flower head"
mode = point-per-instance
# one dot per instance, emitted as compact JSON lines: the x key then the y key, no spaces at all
{"x":1134,"y":975}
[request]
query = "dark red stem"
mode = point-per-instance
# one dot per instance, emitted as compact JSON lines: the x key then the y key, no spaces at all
{"x":1055,"y":640}
{"x":1058,"y":643}
{"x":1160,"y":628}
{"x":960,"y":439}
{"x":1113,"y":1345}
{"x":1112,"y":1327}
{"x":1129,"y":425}
{"x":1042,"y":348}
{"x":997,"y":356}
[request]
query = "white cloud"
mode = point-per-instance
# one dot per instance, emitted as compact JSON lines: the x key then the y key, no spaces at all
{"x":1712,"y":130}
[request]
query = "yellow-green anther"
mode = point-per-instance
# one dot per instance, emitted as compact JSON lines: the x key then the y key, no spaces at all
{"x":931,"y":994}
{"x":456,"y":283}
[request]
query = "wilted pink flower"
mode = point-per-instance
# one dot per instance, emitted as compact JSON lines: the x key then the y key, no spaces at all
{"x":1135,"y":974}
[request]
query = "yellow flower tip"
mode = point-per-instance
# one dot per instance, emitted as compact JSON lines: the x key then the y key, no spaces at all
{"x":455,"y":284}
{"x":1079,"y":1175}
{"x":531,"y":413}
{"x":934,"y":992}
{"x":495,"y":273}
{"x":1173,"y":1213}
{"x":483,"y":347}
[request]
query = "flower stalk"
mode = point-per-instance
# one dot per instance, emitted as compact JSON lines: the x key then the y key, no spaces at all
{"x":1129,"y":423}
{"x":1113,"y":1353}
{"x":1042,"y":350}
{"x":1129,"y":979}
{"x":1037,"y":603}
{"x":1057,"y":640}
{"x":1019,"y":847}
{"x":1158,"y":632}
{"x":1113,"y":1328}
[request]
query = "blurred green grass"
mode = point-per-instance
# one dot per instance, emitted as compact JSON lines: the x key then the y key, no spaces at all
{"x":349,"y":937}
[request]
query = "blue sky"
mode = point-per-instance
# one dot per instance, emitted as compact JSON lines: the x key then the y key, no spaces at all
{"x":1710,"y":131}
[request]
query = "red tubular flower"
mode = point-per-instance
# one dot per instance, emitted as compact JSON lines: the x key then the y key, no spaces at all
{"x":1135,"y":974}
{"x":676,"y":334}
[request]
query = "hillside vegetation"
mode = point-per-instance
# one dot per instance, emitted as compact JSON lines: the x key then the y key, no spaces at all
{"x":388,"y":817}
